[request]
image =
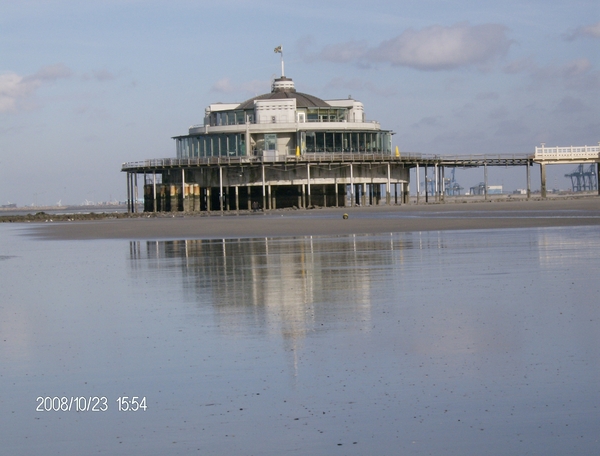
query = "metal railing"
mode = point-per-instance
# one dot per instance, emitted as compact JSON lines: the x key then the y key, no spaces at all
{"x":570,"y":153}
{"x":162,"y":163}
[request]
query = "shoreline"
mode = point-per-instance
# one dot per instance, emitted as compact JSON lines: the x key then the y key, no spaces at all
{"x":327,"y":221}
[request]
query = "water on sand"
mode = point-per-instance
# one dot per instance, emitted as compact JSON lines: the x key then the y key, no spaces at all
{"x":464,"y":342}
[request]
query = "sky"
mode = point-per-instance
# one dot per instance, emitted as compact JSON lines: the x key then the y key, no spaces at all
{"x":86,"y":86}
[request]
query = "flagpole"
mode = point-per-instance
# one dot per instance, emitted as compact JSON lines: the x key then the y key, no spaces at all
{"x":279,"y":49}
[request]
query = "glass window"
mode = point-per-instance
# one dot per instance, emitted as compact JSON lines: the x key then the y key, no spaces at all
{"x":337,"y":142}
{"x":232,"y":144}
{"x":270,"y":142}
{"x":328,"y":142}
{"x":320,"y":142}
{"x":310,"y":141}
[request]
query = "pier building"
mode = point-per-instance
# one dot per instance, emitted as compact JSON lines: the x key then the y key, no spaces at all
{"x":287,"y":148}
{"x":281,"y":149}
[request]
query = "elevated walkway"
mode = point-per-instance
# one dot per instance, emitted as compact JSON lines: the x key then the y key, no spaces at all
{"x":565,"y":155}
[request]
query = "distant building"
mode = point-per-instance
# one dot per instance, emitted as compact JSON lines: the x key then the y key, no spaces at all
{"x":491,"y":189}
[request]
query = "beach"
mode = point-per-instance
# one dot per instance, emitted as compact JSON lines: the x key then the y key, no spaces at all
{"x":330,"y":221}
{"x":430,"y":329}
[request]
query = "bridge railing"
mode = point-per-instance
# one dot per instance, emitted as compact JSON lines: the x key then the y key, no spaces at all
{"x":567,"y":153}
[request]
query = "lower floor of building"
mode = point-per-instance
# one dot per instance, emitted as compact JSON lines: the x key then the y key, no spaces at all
{"x":265,"y":187}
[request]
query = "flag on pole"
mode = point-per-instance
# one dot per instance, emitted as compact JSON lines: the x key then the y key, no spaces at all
{"x":278,"y":50}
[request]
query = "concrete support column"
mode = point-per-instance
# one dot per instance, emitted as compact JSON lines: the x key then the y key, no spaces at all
{"x":308,"y":183}
{"x":436,"y":191}
{"x":485,"y":180}
{"x":135,"y":195}
{"x":364,"y":195}
{"x":237,"y":198}
{"x":337,"y":195}
{"x":388,"y":190}
{"x":405,"y":193}
{"x":299,"y":196}
{"x":264,"y":200}
{"x":197,"y":199}
{"x":426,"y":186}
{"x":543,"y":179}
{"x":352,"y":200}
{"x":221,"y":208}
{"x":324,"y":195}
{"x":418,"y":184}
{"x":269,"y":202}
{"x":208,"y":196}
{"x":395,"y":193}
{"x":128,"y":192}
{"x":303,"y":196}
{"x":249,"y":198}
{"x":183,"y":192}
{"x":154,"y":191}
{"x":443,"y":182}
{"x":528,"y":180}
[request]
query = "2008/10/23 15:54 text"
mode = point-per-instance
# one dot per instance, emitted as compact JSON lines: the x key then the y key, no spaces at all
{"x":89,"y":404}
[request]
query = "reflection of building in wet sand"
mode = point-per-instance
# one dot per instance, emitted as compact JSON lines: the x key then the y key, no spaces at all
{"x":292,"y":284}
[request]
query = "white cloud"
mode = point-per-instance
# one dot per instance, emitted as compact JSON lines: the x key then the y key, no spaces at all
{"x":438,"y":47}
{"x":99,"y":75}
{"x":255,"y":87}
{"x":15,"y":89}
{"x":359,"y":85}
{"x":343,"y":52}
{"x":433,"y":48}
{"x":223,"y":86}
{"x":587,"y":31}
{"x":578,"y":74}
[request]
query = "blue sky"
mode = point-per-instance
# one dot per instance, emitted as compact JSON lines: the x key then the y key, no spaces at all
{"x":85,"y":86}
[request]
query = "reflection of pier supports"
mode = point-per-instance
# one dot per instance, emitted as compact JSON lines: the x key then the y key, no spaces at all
{"x":543,"y":179}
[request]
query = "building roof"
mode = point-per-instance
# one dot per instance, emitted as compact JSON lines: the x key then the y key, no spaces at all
{"x":283,"y":88}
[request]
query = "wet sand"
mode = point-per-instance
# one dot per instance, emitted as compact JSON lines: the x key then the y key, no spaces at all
{"x":366,"y":220}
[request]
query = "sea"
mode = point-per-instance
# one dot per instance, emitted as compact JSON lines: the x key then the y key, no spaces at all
{"x":423,"y":343}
